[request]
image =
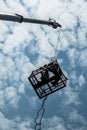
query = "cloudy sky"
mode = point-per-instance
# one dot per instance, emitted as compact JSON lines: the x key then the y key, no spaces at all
{"x":25,"y":47}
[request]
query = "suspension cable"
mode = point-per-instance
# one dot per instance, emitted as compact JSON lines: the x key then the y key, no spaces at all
{"x":56,"y":46}
{"x":58,"y":38}
{"x":38,"y":119}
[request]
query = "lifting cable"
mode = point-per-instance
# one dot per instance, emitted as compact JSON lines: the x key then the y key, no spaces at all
{"x":58,"y":39}
{"x":40,"y":114}
{"x":56,"y":46}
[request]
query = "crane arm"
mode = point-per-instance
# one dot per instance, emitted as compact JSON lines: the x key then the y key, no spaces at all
{"x":20,"y":19}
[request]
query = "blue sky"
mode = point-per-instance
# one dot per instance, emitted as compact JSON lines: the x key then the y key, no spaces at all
{"x":25,"y":47}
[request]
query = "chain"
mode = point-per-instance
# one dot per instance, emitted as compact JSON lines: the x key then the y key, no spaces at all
{"x":38,"y":119}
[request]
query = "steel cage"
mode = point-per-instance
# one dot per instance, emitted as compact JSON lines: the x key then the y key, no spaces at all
{"x":47,"y":79}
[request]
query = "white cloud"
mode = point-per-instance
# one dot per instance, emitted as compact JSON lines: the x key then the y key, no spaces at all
{"x":2,"y":100}
{"x":31,"y":3}
{"x":6,"y":124}
{"x":21,"y":88}
{"x":25,"y":126}
{"x":69,"y":20}
{"x":71,"y":97}
{"x":3,"y":7}
{"x":82,"y":37}
{"x":83,"y":14}
{"x":50,"y":9}
{"x":32,"y":101}
{"x":15,"y":6}
{"x":41,"y":60}
{"x":77,"y":121}
{"x":77,"y":81}
{"x":7,"y":67}
{"x":73,"y":77}
{"x":20,"y":36}
{"x":15,"y":65}
{"x":63,"y":43}
{"x":83,"y":59}
{"x":11,"y":96}
{"x":73,"y":89}
{"x":4,"y":29}
{"x":54,"y":123}
{"x":73,"y":56}
{"x":81,"y":80}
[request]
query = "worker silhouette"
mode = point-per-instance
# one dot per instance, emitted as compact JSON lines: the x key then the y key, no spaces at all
{"x":55,"y":70}
{"x":44,"y":74}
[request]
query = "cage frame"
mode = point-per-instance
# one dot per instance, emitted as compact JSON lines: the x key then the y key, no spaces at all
{"x":47,"y":83}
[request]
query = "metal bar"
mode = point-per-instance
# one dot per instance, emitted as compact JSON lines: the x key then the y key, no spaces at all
{"x":37,"y":21}
{"x":20,"y":19}
{"x":10,"y":17}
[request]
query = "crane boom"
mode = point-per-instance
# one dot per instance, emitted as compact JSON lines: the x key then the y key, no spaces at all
{"x":20,"y":19}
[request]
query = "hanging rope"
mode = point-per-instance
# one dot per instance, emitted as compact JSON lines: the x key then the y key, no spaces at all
{"x":38,"y":119}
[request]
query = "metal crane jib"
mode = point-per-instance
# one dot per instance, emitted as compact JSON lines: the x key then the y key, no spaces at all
{"x":47,"y":79}
{"x":20,"y":19}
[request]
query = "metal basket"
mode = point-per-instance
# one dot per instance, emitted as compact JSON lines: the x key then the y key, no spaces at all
{"x":47,"y":79}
